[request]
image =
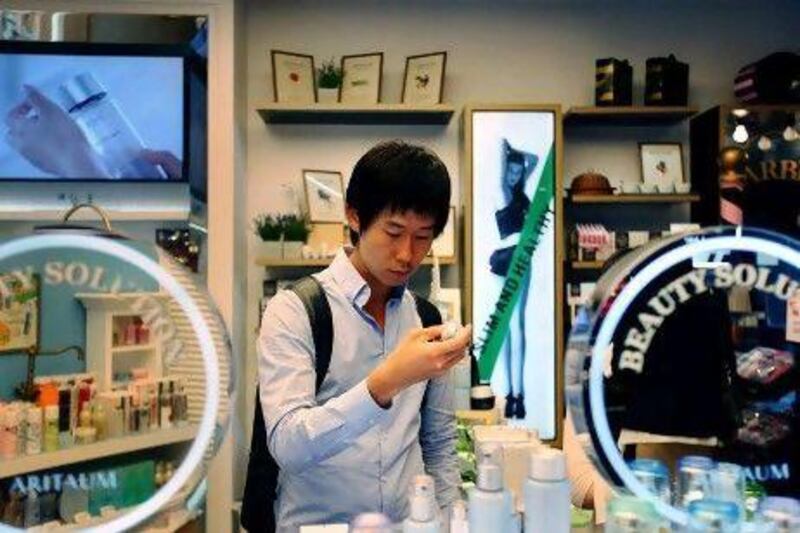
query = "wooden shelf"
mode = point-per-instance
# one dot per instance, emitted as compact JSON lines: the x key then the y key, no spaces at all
{"x":633,"y":198}
{"x":132,"y":348}
{"x":117,"y":301}
{"x":377,"y":114}
{"x":89,"y":452}
{"x":627,"y":115}
{"x":21,"y":214}
{"x":587,"y":265}
{"x":269,"y":262}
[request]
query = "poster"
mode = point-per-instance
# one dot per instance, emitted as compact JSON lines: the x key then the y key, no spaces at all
{"x":511,"y":209}
{"x":19,"y":312}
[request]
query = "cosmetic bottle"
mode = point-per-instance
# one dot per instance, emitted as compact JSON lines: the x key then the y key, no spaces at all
{"x":709,"y":515}
{"x":490,"y":506}
{"x":32,"y":511}
{"x":782,"y":512}
{"x":166,"y":409}
{"x":459,"y":523}
{"x":694,"y":479}
{"x":33,"y":434}
{"x":100,"y":419}
{"x":51,"y":428}
{"x":423,"y":509}
{"x":107,"y":128}
{"x":629,"y":514}
{"x":547,"y":496}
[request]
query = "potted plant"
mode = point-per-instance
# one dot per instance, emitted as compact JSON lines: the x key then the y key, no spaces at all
{"x":295,"y":234}
{"x":270,"y":231}
{"x":329,"y":78}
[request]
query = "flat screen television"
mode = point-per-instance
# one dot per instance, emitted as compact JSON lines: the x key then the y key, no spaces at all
{"x":93,"y":112}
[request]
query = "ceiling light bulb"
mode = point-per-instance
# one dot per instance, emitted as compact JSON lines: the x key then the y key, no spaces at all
{"x":739,"y":113}
{"x":764,"y":143}
{"x":740,"y":134}
{"x":790,"y":134}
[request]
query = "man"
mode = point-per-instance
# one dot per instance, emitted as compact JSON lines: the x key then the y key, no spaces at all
{"x":383,"y":413}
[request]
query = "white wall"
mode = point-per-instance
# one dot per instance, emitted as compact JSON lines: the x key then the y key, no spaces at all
{"x":535,"y":51}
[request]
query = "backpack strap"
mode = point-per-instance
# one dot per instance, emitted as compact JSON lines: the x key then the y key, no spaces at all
{"x":311,"y":293}
{"x":428,"y":313}
{"x":260,"y":490}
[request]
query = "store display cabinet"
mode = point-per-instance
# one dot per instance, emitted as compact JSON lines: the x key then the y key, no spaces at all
{"x":745,"y":164}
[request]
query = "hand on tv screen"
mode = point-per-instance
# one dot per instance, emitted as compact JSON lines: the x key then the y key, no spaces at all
{"x":171,"y":165}
{"x":45,"y":135}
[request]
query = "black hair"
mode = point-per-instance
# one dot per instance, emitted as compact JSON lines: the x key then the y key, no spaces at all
{"x":398,"y":176}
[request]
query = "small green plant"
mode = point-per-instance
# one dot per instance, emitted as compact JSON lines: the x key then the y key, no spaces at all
{"x":267,"y":227}
{"x":329,"y":76}
{"x":295,"y":228}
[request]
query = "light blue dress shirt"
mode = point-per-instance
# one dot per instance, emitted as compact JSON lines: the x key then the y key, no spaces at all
{"x":340,"y":453}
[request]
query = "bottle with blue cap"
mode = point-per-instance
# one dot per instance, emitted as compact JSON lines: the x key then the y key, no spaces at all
{"x":694,"y":479}
{"x":107,"y":128}
{"x":547,"y":498}
{"x":654,"y":475}
{"x":728,"y":484}
{"x":490,"y":505}
{"x":713,"y":516}
{"x":423,"y":508}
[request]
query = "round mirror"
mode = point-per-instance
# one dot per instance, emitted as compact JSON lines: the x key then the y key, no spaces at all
{"x":115,"y":383}
{"x":682,"y":373}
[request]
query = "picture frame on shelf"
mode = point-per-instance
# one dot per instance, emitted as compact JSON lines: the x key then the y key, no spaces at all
{"x":444,"y":246}
{"x":423,"y":80}
{"x":293,"y":77}
{"x":661,"y":165}
{"x":324,"y":195}
{"x":362,"y":77}
{"x":20,"y":313}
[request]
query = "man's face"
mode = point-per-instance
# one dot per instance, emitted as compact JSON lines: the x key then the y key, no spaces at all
{"x":394,"y":244}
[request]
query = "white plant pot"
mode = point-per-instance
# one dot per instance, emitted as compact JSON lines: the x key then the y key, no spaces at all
{"x":293,"y":249}
{"x":269,"y":249}
{"x":327,"y":96}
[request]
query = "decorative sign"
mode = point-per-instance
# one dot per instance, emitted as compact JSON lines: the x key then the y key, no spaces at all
{"x":19,"y":312}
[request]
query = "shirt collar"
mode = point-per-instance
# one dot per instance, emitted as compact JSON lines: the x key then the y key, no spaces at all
{"x":354,"y":286}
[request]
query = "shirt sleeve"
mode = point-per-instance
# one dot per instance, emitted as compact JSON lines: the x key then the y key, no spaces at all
{"x":438,"y":439}
{"x":301,"y":433}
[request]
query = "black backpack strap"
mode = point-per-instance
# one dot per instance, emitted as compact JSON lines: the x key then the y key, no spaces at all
{"x":427,"y":312}
{"x":260,"y":489}
{"x":311,"y":293}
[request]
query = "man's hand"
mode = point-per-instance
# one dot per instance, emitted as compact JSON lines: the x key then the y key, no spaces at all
{"x":418,"y":357}
{"x":50,"y":139}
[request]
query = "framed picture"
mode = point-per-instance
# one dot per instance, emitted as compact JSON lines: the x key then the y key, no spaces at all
{"x":662,"y":167}
{"x":445,"y":244}
{"x":325,"y":195}
{"x":293,"y":77}
{"x":19,"y":312}
{"x":361,"y":82}
{"x":424,"y":79}
{"x":513,"y":253}
{"x":452,"y":300}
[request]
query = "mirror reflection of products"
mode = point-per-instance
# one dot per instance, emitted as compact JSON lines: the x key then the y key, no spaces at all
{"x":70,"y":411}
{"x":90,"y":136}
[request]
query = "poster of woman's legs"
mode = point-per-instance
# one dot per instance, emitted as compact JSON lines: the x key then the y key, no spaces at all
{"x":509,"y":154}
